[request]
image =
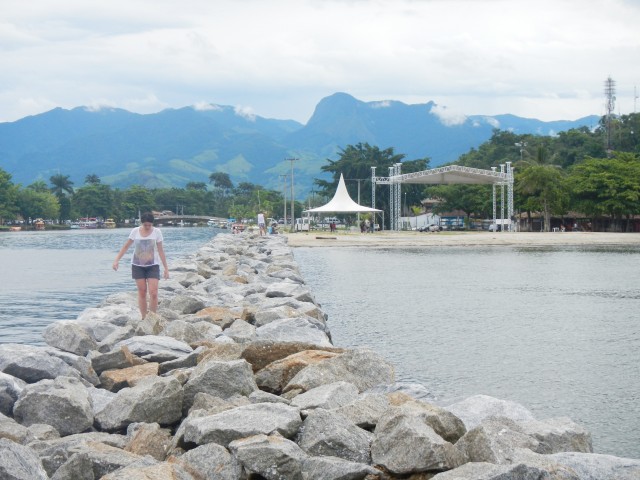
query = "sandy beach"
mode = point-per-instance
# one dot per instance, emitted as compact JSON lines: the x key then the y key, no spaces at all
{"x":390,"y":239}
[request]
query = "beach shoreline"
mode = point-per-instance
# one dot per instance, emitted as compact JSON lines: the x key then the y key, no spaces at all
{"x":389,"y":239}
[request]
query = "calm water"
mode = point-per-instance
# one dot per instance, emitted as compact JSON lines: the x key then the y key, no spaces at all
{"x":553,"y":329}
{"x":49,"y":276}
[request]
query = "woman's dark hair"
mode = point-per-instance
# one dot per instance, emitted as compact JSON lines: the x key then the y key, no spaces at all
{"x":146,"y":217}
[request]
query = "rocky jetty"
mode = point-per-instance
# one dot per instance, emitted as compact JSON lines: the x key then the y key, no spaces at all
{"x":236,"y":377}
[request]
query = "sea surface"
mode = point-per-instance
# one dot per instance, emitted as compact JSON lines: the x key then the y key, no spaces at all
{"x":555,"y":329}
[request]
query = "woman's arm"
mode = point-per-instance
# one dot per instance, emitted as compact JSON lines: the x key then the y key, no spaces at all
{"x":122,"y":251}
{"x":163,"y":259}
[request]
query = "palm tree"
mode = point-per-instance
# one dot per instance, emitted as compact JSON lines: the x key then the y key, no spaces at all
{"x":61,"y":184}
{"x":92,"y":179}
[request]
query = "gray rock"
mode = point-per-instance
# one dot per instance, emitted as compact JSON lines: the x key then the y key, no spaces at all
{"x":332,"y":395}
{"x":241,"y":332}
{"x":154,"y":348}
{"x":95,"y":461}
{"x":187,"y":361}
{"x":152,"y":400}
{"x":558,"y":435}
{"x":365,"y":411}
{"x":325,"y":433}
{"x":211,"y":462}
{"x":12,"y":430}
{"x":32,"y":364}
{"x":494,"y":441}
{"x":361,"y":367}
{"x":298,"y":329}
{"x":151,"y":324}
{"x":259,"y":396}
{"x":186,"y":304}
{"x":273,"y":457}
{"x":489,"y":471}
{"x":141,"y":471}
{"x":41,"y":431}
{"x":82,"y":365}
{"x":10,"y":388}
{"x":403,"y":444}
{"x":190,"y":333}
{"x":334,"y":468}
{"x":63,"y":403}
{"x":69,"y":336}
{"x":18,"y":462}
{"x":54,"y":453}
{"x":100,"y":398}
{"x":116,"y":359}
{"x":443,"y":422}
{"x":117,"y":336}
{"x":241,"y":422}
{"x":599,"y":467}
{"x":220,"y":379}
{"x":474,"y":409}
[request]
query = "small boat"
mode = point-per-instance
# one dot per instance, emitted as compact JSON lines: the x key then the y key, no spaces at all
{"x":88,"y":223}
{"x":15,"y":229}
{"x":39,"y":224}
{"x":109,"y":223}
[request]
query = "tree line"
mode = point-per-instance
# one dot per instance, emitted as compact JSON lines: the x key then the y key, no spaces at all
{"x":569,"y":174}
{"x":62,"y":200}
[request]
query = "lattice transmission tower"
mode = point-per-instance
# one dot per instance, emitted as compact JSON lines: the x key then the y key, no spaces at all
{"x":610,"y":95}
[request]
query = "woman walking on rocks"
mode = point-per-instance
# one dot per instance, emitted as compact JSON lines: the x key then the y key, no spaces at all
{"x":148,"y":252}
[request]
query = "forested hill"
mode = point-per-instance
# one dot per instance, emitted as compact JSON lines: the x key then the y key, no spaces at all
{"x":176,"y":146}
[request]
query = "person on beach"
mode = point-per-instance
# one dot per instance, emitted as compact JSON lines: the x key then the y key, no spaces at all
{"x":261,"y":224}
{"x":148,"y":252}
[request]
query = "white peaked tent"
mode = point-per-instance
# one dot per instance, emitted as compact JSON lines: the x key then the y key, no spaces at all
{"x":342,"y":203}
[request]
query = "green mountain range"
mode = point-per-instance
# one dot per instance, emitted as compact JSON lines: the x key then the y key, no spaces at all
{"x":177,"y":146}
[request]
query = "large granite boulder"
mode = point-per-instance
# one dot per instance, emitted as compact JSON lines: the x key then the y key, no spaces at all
{"x":10,"y":388}
{"x":152,"y":400}
{"x":558,"y":435}
{"x":63,"y":403}
{"x":69,"y":336}
{"x":272,"y":457}
{"x":302,"y":329}
{"x":260,"y":418}
{"x":361,"y":367}
{"x":32,"y":364}
{"x":326,"y":433}
{"x":332,"y":395}
{"x":156,"y":348}
{"x":406,"y":443}
{"x":495,"y":440}
{"x":220,"y":379}
{"x":476,"y":408}
{"x":18,"y":462}
{"x":211,"y":462}
{"x":599,"y":467}
{"x":335,"y":468}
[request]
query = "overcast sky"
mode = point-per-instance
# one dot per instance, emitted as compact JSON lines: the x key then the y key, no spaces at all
{"x":545,"y":59}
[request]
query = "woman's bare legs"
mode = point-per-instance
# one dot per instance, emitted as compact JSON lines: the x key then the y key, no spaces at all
{"x":142,"y":296}
{"x":152,"y":287}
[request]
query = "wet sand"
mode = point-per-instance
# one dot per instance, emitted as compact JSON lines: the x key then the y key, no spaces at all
{"x":462,"y":239}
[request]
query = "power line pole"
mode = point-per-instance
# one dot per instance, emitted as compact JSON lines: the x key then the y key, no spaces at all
{"x":284,"y":196}
{"x":610,"y":94}
{"x":293,"y":212}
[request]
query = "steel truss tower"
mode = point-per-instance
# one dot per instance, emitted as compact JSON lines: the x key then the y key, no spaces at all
{"x":447,"y":175}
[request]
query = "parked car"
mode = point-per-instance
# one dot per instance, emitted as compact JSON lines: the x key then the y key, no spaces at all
{"x":431,"y":228}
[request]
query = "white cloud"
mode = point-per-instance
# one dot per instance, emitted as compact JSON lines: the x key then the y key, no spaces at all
{"x":546,"y":59}
{"x":245,"y":112}
{"x":204,"y":106}
{"x":382,"y":104}
{"x":447,"y":116}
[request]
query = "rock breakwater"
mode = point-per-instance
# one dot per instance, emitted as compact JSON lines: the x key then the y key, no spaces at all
{"x":236,"y":377}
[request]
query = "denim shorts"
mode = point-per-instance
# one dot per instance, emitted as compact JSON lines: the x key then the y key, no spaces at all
{"x":138,"y":272}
